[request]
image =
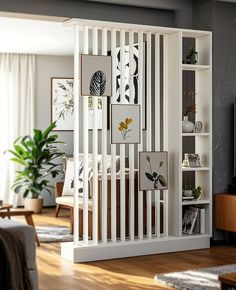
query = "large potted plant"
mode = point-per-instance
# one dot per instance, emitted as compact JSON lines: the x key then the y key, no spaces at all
{"x":36,"y":155}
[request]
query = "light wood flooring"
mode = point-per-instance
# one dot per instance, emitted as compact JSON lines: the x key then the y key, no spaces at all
{"x":130,"y":273}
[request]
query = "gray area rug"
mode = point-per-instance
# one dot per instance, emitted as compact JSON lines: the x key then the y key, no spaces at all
{"x":200,"y":279}
{"x":54,"y":234}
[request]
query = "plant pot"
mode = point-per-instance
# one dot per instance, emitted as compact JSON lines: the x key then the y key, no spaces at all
{"x":187,"y":126}
{"x":187,"y":193}
{"x":35,"y":204}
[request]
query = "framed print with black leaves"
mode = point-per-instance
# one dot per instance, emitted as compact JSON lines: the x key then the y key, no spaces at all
{"x":153,"y":170}
{"x":96,"y":75}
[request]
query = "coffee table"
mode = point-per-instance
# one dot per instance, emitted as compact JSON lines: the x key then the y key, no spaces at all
{"x":7,"y":207}
{"x":228,"y":281}
{"x":20,"y":212}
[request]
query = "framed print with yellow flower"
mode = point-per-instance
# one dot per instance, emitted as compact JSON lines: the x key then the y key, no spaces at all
{"x":125,"y":124}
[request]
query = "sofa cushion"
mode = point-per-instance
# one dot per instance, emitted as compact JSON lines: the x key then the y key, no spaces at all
{"x":27,"y":234}
{"x":69,"y":201}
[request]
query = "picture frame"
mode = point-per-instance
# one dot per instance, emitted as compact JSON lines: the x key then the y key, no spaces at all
{"x":117,"y":64}
{"x":153,"y":170}
{"x":125,"y":124}
{"x":62,"y":105}
{"x":193,"y":159}
{"x":96,"y":75}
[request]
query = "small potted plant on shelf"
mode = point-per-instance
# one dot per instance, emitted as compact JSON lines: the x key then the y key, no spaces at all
{"x":197,"y":192}
{"x":36,"y":156}
{"x":192,"y":56}
{"x":187,"y":188}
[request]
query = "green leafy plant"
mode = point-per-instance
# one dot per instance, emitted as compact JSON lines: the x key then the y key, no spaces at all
{"x":154,"y":176}
{"x":197,"y":192}
{"x":36,"y":155}
{"x":186,"y":184}
{"x":192,"y":56}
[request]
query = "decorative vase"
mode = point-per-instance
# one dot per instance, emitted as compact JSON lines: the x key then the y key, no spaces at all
{"x":34,"y":204}
{"x":187,"y":126}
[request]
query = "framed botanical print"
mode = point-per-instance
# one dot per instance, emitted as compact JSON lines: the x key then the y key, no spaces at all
{"x":153,"y":170}
{"x":96,"y":75}
{"x":62,"y":109}
{"x":125,"y":124}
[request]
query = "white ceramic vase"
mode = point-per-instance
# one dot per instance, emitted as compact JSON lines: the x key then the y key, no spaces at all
{"x":187,"y":126}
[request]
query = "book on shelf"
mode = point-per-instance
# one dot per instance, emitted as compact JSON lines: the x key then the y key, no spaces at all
{"x":189,"y":220}
{"x":200,"y":224}
{"x":187,"y":198}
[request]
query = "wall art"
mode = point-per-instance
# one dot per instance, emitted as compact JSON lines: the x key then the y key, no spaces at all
{"x":134,"y":79}
{"x":125,"y":124}
{"x":62,"y":109}
{"x":153,"y":170}
{"x":96,"y":75}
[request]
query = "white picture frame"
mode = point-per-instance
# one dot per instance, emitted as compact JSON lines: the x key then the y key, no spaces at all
{"x":125,"y":124}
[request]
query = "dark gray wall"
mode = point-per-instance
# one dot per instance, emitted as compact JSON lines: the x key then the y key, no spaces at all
{"x":224,"y":93}
{"x":172,"y":13}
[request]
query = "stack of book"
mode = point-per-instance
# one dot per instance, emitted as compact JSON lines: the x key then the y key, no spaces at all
{"x":194,"y":221}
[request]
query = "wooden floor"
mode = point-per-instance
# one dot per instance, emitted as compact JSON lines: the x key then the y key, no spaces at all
{"x":129,"y":273}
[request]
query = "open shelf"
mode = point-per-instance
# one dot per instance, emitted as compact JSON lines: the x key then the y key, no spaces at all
{"x":196,"y":134}
{"x":196,"y":202}
{"x":202,"y":168}
{"x":194,"y":67}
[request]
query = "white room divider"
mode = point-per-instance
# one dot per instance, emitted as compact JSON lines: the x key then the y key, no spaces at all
{"x":136,"y":226}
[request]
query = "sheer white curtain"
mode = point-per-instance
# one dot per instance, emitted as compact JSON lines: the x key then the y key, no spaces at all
{"x":17,"y":92}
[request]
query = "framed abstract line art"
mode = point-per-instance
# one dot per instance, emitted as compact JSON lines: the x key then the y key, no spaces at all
{"x":125,"y":124}
{"x":153,"y":170}
{"x":62,"y":109}
{"x":134,"y":79}
{"x":96,"y":75}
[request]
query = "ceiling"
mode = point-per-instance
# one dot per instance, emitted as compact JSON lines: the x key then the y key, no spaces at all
{"x":19,"y":35}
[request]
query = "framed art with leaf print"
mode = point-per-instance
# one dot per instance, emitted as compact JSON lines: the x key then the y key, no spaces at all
{"x":62,"y":108}
{"x":153,"y":170}
{"x":125,"y":124}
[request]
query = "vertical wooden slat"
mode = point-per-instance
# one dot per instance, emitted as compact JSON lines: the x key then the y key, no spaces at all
{"x":85,"y":149}
{"x":149,"y":129}
{"x":76,"y":134}
{"x":131,"y":146}
{"x":122,"y":146}
{"x":95,"y":150}
{"x":165,"y":128}
{"x":113,"y":146}
{"x":140,"y":146}
{"x":104,"y":149}
{"x":157,"y":126}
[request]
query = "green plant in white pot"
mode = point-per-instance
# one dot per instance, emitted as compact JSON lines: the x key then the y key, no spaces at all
{"x":36,"y":155}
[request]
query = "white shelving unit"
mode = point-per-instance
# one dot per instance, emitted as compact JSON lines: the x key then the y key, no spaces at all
{"x":164,"y":92}
{"x":203,"y":141}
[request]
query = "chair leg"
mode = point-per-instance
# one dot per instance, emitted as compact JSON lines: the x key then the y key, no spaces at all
{"x":57,"y":210}
{"x":71,"y":221}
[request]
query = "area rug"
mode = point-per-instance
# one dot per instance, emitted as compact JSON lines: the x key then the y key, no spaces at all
{"x":54,"y":234}
{"x":200,"y":279}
